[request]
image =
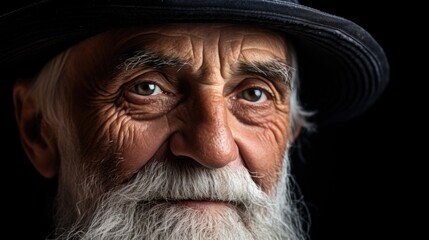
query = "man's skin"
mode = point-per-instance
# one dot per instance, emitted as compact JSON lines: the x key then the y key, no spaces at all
{"x":207,"y":111}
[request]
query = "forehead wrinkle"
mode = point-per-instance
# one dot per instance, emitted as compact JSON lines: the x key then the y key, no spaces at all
{"x":266,"y":51}
{"x":143,"y":34}
{"x":188,"y":47}
{"x":267,"y":37}
{"x":197,"y":49}
{"x":207,"y":57}
{"x":229,"y":52}
{"x":161,"y":42}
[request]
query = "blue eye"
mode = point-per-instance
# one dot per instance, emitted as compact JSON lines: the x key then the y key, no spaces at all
{"x":255,"y":95}
{"x":146,"y":89}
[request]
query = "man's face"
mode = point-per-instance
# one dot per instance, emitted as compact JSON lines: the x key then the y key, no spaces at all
{"x":196,"y":96}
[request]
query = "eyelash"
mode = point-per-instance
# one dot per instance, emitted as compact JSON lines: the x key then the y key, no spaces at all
{"x":265,"y":89}
{"x":135,"y":85}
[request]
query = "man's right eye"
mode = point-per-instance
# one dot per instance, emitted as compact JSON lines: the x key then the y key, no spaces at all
{"x":146,"y":89}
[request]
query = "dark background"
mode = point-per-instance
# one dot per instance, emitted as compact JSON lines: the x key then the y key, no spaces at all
{"x":359,"y":178}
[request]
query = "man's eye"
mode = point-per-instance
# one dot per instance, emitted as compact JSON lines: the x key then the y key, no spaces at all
{"x":146,"y":89}
{"x":255,"y":95}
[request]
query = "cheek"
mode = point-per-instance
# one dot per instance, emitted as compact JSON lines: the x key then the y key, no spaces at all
{"x":262,"y":149}
{"x":115,"y":145}
{"x":143,"y":142}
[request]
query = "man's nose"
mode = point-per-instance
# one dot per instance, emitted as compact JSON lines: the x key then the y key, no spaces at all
{"x":206,"y":135}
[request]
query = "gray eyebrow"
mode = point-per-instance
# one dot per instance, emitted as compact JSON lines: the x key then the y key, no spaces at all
{"x":141,"y":58}
{"x":276,"y":70}
{"x":272,"y":70}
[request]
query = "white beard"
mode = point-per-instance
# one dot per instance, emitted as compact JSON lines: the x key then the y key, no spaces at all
{"x":146,"y":207}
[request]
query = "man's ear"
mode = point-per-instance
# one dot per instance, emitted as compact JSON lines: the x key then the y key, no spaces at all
{"x":296,"y":131}
{"x":36,"y":137}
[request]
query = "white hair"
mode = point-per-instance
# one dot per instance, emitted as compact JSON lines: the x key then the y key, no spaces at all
{"x":298,"y":115}
{"x":50,"y":92}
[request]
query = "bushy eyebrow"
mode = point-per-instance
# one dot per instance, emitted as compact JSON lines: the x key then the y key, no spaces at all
{"x":273,"y":70}
{"x":141,"y":58}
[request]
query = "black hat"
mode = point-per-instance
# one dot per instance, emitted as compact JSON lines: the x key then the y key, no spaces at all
{"x":342,"y":69}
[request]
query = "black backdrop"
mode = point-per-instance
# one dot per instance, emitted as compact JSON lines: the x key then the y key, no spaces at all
{"x":354,"y":176}
{"x":360,"y":179}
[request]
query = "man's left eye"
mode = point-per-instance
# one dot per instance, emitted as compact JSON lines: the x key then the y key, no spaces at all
{"x":255,"y":95}
{"x":146,"y":89}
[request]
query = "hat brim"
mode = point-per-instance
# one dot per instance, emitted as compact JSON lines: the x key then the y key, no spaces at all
{"x":342,"y":69}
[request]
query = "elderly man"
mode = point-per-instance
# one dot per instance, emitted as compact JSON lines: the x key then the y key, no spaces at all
{"x":173,"y":119}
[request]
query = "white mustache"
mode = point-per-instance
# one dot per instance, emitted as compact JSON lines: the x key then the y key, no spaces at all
{"x":166,"y":181}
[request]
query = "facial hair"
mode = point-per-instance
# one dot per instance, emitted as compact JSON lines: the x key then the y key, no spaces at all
{"x":150,"y":205}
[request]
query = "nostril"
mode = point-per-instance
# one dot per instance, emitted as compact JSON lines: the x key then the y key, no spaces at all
{"x":187,"y":161}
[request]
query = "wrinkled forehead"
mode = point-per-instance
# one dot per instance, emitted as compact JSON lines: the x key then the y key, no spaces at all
{"x":188,"y":36}
{"x":187,"y":41}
